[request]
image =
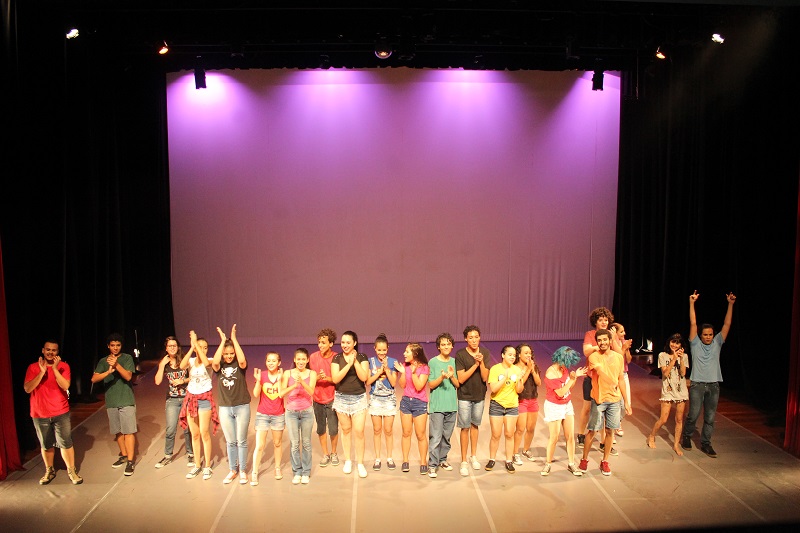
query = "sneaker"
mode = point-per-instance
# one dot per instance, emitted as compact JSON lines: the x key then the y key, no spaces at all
{"x":73,"y":476}
{"x":581,"y":440}
{"x":167,"y":459}
{"x":423,"y":469}
{"x":253,"y":478}
{"x":546,"y":470}
{"x":121,"y":460}
{"x":230,"y":477}
{"x":584,"y":465}
{"x":475,"y":464}
{"x":390,"y":464}
{"x":527,"y":454}
{"x":278,"y":474}
{"x":489,"y":465}
{"x":432,"y":472}
{"x":686,"y":443}
{"x":129,"y":468}
{"x":405,"y":467}
{"x":362,"y":470}
{"x":48,"y":476}
{"x":376,"y":465}
{"x":518,"y":459}
{"x":613,"y":450}
{"x":296,"y":480}
{"x":242,"y":478}
{"x":326,"y":460}
{"x":207,"y":473}
{"x":604,"y":468}
{"x":574,"y":469}
{"x":334,"y":459}
{"x":190,"y":461}
{"x":620,"y":433}
{"x":444,"y":465}
{"x":348,"y":467}
{"x":708,"y":450}
{"x":305,"y":480}
{"x":464,"y":470}
{"x":510,"y":467}
{"x":193,"y":472}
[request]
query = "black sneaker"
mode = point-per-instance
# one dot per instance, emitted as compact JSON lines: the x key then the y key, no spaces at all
{"x":489,"y":465}
{"x":121,"y":460}
{"x":581,"y":440}
{"x":510,"y":467}
{"x":406,"y":467}
{"x":423,"y":470}
{"x":708,"y":450}
{"x":686,"y":443}
{"x":129,"y":468}
{"x":612,"y":452}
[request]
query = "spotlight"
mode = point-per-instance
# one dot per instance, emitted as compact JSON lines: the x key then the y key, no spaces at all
{"x":660,"y":54}
{"x":597,"y":80}
{"x":164,"y":49}
{"x":717,"y":38}
{"x":383,"y":50}
{"x":199,"y":78}
{"x":73,"y":33}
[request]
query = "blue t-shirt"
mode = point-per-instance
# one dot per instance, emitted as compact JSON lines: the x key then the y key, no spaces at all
{"x":383,"y":386}
{"x":705,"y":359}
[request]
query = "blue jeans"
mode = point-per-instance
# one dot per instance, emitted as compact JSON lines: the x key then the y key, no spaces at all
{"x":300,"y":424}
{"x":705,"y":395}
{"x":234,"y":421}
{"x":173,"y":410}
{"x":441,"y":429}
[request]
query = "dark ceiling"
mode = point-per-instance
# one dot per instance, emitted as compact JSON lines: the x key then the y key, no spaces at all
{"x":500,"y":34}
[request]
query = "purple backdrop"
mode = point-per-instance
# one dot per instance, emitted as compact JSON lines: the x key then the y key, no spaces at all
{"x":408,"y":202}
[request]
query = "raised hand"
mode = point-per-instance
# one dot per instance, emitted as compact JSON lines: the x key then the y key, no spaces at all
{"x":398,"y":366}
{"x":222,"y":336}
{"x":56,"y":360}
{"x":731,"y":297}
{"x":582,"y":371}
{"x":192,"y":337}
{"x":257,"y":374}
{"x":42,"y":365}
{"x":693,"y":297}
{"x":233,"y":333}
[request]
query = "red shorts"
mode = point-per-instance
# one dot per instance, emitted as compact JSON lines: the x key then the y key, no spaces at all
{"x":531,"y":405}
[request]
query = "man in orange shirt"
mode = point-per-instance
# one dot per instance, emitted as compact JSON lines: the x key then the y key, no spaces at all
{"x":608,"y":388}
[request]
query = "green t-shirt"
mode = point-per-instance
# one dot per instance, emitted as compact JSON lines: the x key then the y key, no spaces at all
{"x":119,"y":393}
{"x":444,"y":398}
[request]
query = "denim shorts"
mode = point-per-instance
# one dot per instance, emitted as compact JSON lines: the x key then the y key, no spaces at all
{"x":203,"y":405}
{"x":122,"y":420}
{"x":54,"y":431}
{"x":267,"y":422}
{"x":383,"y":405}
{"x":349,"y":404}
{"x":531,"y":405}
{"x":470,"y":413}
{"x":497,"y":410}
{"x":557,"y":411}
{"x":413,"y":406}
{"x":608,"y":410}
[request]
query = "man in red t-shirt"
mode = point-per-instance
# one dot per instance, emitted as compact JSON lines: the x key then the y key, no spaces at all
{"x":327,"y":422}
{"x":47,"y":381}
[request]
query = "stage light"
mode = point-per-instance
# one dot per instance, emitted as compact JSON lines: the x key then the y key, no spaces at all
{"x":164,"y":49}
{"x":73,"y":33}
{"x":383,"y":50}
{"x":199,"y":78}
{"x":660,"y":54}
{"x":717,"y":38}
{"x":597,"y":80}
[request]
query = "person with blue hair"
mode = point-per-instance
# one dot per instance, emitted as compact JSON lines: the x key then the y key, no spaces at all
{"x":558,"y":411}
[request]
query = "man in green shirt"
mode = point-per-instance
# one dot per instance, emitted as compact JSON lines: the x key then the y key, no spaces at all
{"x":443,"y":406}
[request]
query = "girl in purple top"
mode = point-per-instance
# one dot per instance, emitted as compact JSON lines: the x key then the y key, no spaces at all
{"x":297,"y":390}
{"x":414,"y":405}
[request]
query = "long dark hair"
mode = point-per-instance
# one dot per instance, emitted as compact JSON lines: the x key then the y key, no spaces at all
{"x":178,"y":354}
{"x":418,"y":353}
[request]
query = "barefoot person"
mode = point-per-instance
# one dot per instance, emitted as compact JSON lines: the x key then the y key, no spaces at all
{"x":673,"y":363}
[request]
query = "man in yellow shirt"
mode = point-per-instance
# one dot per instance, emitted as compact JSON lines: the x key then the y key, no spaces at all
{"x":608,"y":389}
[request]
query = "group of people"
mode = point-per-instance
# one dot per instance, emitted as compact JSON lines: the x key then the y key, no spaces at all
{"x":336,"y":392}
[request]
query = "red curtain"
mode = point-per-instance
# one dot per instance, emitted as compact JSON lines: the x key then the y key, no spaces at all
{"x":791,"y":441}
{"x":9,"y":445}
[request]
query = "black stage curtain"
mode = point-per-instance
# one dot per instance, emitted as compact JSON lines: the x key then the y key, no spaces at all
{"x":708,"y":192}
{"x":84,"y":212}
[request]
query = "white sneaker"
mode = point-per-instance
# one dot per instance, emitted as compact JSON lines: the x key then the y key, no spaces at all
{"x":304,"y":480}
{"x":296,"y":480}
{"x":475,"y":464}
{"x":517,"y":459}
{"x":464,"y":470}
{"x":207,"y":473}
{"x":348,"y":467}
{"x":362,"y":471}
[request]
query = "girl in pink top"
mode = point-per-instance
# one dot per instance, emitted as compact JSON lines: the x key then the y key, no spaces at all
{"x":558,"y":410}
{"x":414,"y":405}
{"x":297,"y":390}
{"x":270,"y":413}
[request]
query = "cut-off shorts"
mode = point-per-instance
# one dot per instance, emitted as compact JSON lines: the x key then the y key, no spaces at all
{"x":266,"y":422}
{"x":54,"y":431}
{"x":497,"y":410}
{"x":413,"y":406}
{"x":470,"y":413}
{"x":530,"y":405}
{"x":557,"y":411}
{"x":349,"y":404}
{"x":383,"y":405}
